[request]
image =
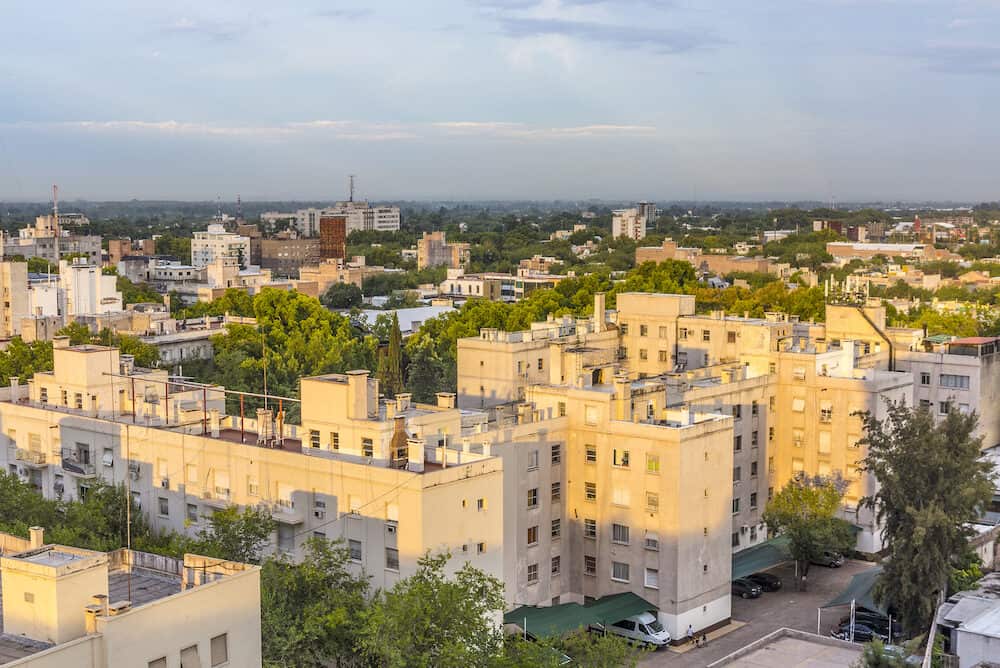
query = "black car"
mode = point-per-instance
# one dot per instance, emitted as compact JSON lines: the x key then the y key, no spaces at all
{"x":862,"y":633}
{"x":874,"y":620}
{"x":745,"y":588}
{"x":766,"y":581}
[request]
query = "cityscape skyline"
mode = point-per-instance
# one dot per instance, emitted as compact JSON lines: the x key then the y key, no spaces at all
{"x":503,"y":98}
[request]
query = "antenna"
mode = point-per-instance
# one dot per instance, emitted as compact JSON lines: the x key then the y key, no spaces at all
{"x":351,"y":191}
{"x":218,"y":202}
{"x":239,"y":208}
{"x":55,"y":219}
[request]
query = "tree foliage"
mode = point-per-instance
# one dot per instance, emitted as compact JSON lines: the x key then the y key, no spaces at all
{"x":342,"y":295}
{"x":932,"y":484}
{"x":236,"y":535}
{"x":805,"y":511}
{"x":24,"y":359}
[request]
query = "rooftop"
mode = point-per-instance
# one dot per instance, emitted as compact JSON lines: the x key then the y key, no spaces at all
{"x":792,"y":649}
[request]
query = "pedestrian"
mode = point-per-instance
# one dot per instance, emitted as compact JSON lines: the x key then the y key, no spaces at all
{"x":704,"y":640}
{"x":690,"y":633}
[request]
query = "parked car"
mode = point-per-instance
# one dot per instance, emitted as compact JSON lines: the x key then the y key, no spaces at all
{"x":745,"y":588}
{"x":875,"y":620}
{"x":643,"y":628}
{"x":862,"y":633}
{"x":830,"y":559}
{"x":766,"y":581}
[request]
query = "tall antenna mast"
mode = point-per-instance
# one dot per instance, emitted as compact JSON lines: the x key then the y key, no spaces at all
{"x":55,"y":219}
{"x":351,"y":188}
{"x":239,"y":208}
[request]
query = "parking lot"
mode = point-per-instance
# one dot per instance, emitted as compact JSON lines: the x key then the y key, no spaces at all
{"x":774,"y":610}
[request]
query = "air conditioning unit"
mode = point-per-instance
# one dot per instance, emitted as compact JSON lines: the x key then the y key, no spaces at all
{"x":319,"y":514}
{"x":134,"y":470}
{"x":391,"y":527}
{"x":165,"y":483}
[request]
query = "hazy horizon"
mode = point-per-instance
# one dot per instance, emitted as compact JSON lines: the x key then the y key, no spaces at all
{"x":513,"y":100}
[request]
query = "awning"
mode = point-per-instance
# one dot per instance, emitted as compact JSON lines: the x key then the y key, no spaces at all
{"x":861,"y":590}
{"x":761,"y":557}
{"x":558,"y":620}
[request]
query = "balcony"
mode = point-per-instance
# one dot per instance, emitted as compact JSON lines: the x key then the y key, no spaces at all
{"x":217,"y":497}
{"x":32,"y":458}
{"x":284,"y":511}
{"x":76,"y":466}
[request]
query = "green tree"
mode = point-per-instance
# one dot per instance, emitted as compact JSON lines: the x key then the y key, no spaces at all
{"x":342,"y":295}
{"x":100,"y":520}
{"x":425,"y":371}
{"x":805,"y":511}
{"x":24,"y":359}
{"x":137,"y":293}
{"x":236,"y":535}
{"x":965,"y":573}
{"x":391,"y":363}
{"x":431,"y":621}
{"x":932,"y":484}
{"x":875,"y":655}
{"x":77,"y":332}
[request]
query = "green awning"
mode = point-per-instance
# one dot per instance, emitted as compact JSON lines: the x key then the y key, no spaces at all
{"x":558,"y":620}
{"x":761,"y":557}
{"x":861,"y":590}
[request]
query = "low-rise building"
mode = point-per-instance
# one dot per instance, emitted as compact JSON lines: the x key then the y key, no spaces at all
{"x":215,"y":243}
{"x":51,"y":242}
{"x":433,"y":250}
{"x":65,"y":606}
{"x":284,"y":257}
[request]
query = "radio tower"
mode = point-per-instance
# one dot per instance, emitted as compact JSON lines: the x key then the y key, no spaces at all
{"x":351,"y":191}
{"x":239,"y":210}
{"x":55,"y":219}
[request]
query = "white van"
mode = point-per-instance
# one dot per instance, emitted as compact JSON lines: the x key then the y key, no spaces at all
{"x":642,"y":628}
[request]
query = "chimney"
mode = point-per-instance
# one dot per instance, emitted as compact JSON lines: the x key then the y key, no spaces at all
{"x":214,"y":422}
{"x":399,"y":445}
{"x":599,"y":311}
{"x":91,"y":613}
{"x":403,"y":401}
{"x":390,"y":409}
{"x":60,"y":342}
{"x":446,"y":399}
{"x":623,"y":397}
{"x":36,"y":537}
{"x":100,"y":601}
{"x":357,"y":394}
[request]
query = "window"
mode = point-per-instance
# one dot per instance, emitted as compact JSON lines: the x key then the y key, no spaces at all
{"x":925,"y":378}
{"x":533,"y":460}
{"x":220,"y":650}
{"x":652,"y":578}
{"x":770,"y":433}
{"x":620,"y":496}
{"x":619,"y":571}
{"x":533,"y":497}
{"x":734,"y":539}
{"x":736,"y":505}
{"x":621,"y":458}
{"x":590,"y":491}
{"x":164,"y":507}
{"x":556,"y":453}
{"x":662,"y":356}
{"x":556,"y":491}
{"x":925,"y":403}
{"x":392,"y":558}
{"x":753,"y":532}
{"x":591,"y":415}
{"x":753,"y":499}
{"x":532,"y":573}
{"x":652,"y":502}
{"x":541,"y":364}
{"x":652,"y":463}
{"x":190,"y":658}
{"x":253,"y":489}
{"x":754,"y":407}
{"x":367,"y":448}
{"x":533,"y":535}
{"x":754,"y":441}
{"x":334,"y":440}
{"x":589,"y":565}
{"x":158,"y":663}
{"x":591,"y":453}
{"x":561,"y":408}
{"x":737,"y":473}
{"x":192,"y":512}
{"x":43,"y":395}
{"x":78,"y":403}
{"x":652,"y":542}
{"x":556,"y":565}
{"x":480,"y":504}
{"x":944,"y":407}
{"x":826,"y":414}
{"x":480,"y":548}
{"x":753,"y":469}
{"x":738,"y":443}
{"x":314,"y":438}
{"x":354,"y":549}
{"x":798,"y":405}
{"x":643,"y":354}
{"x":737,"y":411}
{"x":706,"y":335}
{"x":663,"y":332}
{"x":730,"y":337}
{"x":556,"y":528}
{"x":772,"y":368}
{"x":619,"y":534}
{"x":643,"y":330}
{"x":589,"y":528}
{"x":951,"y":380}
{"x":682,"y":334}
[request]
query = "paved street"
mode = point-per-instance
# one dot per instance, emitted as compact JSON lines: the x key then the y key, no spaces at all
{"x":786,"y":608}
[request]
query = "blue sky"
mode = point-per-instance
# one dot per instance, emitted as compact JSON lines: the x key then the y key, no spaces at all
{"x":508,"y":99}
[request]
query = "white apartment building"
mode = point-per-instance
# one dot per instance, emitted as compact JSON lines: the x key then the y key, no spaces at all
{"x":68,"y":607}
{"x":629,"y":223}
{"x":85,"y":290}
{"x":361,"y":216}
{"x":215,"y":242}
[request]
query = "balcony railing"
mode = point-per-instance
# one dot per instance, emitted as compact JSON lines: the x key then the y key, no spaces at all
{"x":32,"y":457}
{"x":72,"y":464}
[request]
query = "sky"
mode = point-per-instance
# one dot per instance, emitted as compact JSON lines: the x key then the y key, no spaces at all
{"x":852,"y":100}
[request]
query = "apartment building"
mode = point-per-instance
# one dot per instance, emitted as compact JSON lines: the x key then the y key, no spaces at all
{"x":85,"y":290}
{"x":215,"y":242}
{"x":284,"y":257}
{"x":50,"y":242}
{"x":433,"y":250}
{"x":16,"y":304}
{"x":359,"y":216}
{"x":120,"y":248}
{"x":392,"y":478}
{"x":629,"y":223}
{"x":65,"y":606}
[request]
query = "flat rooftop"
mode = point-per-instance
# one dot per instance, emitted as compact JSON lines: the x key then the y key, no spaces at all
{"x":54,"y":557}
{"x":793,"y":649}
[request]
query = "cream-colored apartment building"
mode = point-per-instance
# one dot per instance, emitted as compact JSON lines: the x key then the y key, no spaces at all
{"x":68,"y":607}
